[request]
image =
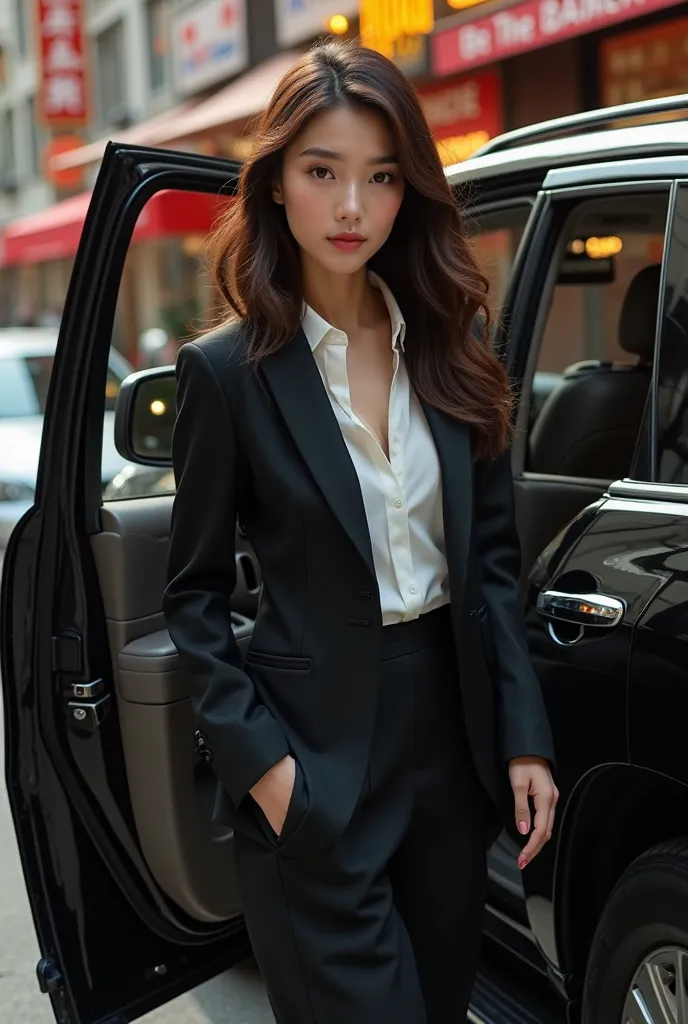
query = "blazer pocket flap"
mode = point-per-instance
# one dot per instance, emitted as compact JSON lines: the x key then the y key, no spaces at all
{"x":290,"y":662}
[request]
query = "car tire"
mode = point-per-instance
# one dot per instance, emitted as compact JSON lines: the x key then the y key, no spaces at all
{"x":642,"y":932}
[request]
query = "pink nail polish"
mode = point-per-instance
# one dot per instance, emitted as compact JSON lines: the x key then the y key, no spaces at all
{"x":523,"y":827}
{"x":522,"y":862}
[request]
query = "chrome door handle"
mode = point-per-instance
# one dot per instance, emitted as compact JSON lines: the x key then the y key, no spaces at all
{"x":581,"y":609}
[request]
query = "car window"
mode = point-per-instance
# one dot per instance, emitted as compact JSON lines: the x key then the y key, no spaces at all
{"x":672,"y":371}
{"x":595,"y":355}
{"x":496,"y":235}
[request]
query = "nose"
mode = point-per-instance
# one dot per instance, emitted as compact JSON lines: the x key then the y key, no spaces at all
{"x":349,"y":206}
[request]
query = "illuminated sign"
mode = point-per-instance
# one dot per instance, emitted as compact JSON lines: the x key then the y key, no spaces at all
{"x":386,"y":23}
{"x":461,"y":5}
{"x":464,"y":114}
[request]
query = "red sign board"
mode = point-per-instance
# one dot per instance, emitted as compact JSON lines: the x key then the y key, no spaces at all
{"x":62,"y":63}
{"x":467,"y":104}
{"x":528,"y":26}
{"x":464,"y":112}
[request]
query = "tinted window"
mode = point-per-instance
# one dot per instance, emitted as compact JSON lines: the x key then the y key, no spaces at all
{"x":496,"y":236}
{"x":672,"y":390}
{"x":596,"y":351}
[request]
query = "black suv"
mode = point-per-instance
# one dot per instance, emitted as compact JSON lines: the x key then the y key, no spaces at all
{"x":583,"y":227}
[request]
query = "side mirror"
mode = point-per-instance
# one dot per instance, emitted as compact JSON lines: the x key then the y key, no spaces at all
{"x":145,"y":412}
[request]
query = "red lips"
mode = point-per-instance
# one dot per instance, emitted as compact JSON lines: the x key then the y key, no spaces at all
{"x":347,"y":241}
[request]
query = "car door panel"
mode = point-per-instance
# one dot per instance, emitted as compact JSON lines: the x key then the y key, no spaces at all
{"x":172,"y":787}
{"x":576,"y":540}
{"x":658,"y":666}
{"x":81,"y":603}
{"x":544,"y":506}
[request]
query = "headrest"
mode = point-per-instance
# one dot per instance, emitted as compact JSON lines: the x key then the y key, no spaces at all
{"x":638,"y":317}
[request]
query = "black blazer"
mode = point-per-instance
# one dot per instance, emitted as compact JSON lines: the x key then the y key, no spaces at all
{"x":267,"y":449}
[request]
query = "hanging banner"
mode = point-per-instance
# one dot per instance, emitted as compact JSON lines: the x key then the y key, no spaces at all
{"x":385,"y":23}
{"x":63,"y":88}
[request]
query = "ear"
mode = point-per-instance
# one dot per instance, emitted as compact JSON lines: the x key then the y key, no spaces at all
{"x":277,"y":193}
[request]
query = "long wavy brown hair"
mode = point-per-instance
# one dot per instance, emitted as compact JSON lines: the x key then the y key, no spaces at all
{"x":427,"y":261}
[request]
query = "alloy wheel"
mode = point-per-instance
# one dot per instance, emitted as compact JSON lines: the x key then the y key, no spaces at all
{"x":658,"y":992}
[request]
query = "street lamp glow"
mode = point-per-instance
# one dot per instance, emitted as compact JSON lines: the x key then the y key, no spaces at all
{"x":338,"y":25}
{"x":158,"y":408}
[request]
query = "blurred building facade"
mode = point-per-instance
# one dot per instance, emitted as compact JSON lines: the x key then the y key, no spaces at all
{"x":189,"y":74}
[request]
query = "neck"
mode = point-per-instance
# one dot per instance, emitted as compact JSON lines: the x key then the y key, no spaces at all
{"x":347,"y":301}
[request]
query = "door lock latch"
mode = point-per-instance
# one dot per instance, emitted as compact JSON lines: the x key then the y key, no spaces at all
{"x":88,"y":711}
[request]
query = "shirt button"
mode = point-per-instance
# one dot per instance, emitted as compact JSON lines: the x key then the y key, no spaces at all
{"x":413,"y":589}
{"x":398,"y":503}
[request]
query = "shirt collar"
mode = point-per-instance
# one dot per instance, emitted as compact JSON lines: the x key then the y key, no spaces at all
{"x":317,"y":329}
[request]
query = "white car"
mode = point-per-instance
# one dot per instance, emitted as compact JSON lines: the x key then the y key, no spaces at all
{"x":26,"y":362}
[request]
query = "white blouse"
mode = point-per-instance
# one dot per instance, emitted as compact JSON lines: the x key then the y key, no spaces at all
{"x":403,"y":495}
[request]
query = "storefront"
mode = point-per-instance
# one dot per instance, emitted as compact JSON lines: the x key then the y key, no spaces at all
{"x":644,"y":63}
{"x":538,"y":46}
{"x":161,"y":283}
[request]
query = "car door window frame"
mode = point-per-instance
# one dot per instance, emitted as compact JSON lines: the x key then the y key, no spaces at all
{"x":535,"y":275}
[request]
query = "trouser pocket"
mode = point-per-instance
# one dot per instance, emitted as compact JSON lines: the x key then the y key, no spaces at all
{"x":298,"y":804}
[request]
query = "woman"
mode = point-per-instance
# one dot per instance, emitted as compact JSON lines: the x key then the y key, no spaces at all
{"x":353,"y":419}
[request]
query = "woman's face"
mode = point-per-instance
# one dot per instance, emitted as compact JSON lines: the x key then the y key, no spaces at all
{"x":341,"y":187}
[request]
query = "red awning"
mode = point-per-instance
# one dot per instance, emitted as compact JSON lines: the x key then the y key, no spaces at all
{"x":54,"y":233}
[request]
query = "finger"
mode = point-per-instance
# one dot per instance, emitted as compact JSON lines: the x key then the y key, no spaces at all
{"x":522,"y":810}
{"x":552,"y":813}
{"x":539,"y":836}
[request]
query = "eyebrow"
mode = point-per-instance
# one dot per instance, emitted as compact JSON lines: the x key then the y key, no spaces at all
{"x":329,"y":154}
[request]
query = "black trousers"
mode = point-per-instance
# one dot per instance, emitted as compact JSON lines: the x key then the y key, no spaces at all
{"x":385,"y":927}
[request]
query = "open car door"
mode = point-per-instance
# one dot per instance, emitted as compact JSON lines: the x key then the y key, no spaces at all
{"x":131,"y":884}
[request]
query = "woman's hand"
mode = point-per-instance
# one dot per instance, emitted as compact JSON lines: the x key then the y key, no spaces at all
{"x":530,"y":776}
{"x":273,"y":792}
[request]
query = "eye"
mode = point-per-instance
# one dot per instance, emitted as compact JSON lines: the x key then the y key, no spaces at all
{"x":320,"y":172}
{"x":383,"y":177}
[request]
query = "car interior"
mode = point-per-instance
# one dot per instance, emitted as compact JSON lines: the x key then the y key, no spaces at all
{"x":582,"y":403}
{"x":589,"y":365}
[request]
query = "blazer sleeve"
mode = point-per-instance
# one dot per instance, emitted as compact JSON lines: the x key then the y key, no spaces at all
{"x":244,"y":737}
{"x":523,"y":722}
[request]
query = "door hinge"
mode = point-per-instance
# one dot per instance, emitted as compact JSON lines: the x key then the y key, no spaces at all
{"x":67,"y":652}
{"x":49,"y":976}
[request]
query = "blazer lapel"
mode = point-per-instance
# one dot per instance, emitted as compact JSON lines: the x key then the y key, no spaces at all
{"x":452,"y":441}
{"x":297,"y":388}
